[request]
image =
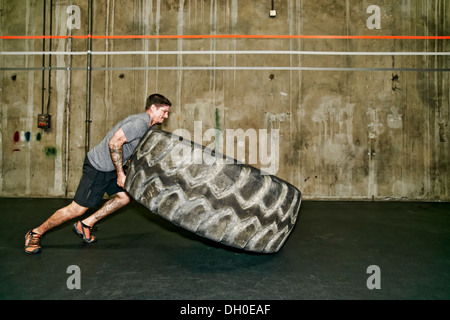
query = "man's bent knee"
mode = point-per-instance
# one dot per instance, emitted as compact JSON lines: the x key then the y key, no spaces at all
{"x":76,"y":209}
{"x":123,"y":197}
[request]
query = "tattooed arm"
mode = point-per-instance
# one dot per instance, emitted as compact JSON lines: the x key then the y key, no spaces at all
{"x":115,"y":149}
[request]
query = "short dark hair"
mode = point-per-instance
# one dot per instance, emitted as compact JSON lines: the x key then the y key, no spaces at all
{"x":158,"y":100}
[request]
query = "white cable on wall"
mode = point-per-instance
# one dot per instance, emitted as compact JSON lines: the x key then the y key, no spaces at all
{"x":278,"y":52}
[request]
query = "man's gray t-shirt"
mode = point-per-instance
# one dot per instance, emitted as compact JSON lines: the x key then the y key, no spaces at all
{"x":134,"y":127}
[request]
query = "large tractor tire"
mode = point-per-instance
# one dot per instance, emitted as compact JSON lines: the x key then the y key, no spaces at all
{"x":225,"y":201}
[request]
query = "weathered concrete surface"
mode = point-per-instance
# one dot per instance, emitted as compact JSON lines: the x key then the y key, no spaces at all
{"x":343,"y":134}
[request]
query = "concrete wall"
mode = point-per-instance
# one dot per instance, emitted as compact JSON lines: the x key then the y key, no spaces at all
{"x":344,"y":134}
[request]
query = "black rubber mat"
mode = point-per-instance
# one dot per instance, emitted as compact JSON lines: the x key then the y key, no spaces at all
{"x":330,"y":255}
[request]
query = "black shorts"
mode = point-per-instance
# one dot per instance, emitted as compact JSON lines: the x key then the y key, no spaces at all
{"x":94,"y":184}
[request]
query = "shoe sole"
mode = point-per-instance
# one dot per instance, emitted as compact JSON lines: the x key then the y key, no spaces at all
{"x":35,"y":251}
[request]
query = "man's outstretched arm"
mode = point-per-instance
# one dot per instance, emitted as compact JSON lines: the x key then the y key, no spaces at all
{"x":115,"y":149}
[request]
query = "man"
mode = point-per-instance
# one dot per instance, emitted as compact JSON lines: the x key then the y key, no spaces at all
{"x":103,"y":172}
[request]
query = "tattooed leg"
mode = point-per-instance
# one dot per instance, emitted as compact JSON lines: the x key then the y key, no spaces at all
{"x":112,"y":205}
{"x":62,"y":215}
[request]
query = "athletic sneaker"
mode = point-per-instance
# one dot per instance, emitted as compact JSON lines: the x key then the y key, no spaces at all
{"x":84,"y":232}
{"x":32,"y":242}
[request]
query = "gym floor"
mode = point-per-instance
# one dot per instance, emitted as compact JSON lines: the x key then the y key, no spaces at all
{"x":141,"y":256}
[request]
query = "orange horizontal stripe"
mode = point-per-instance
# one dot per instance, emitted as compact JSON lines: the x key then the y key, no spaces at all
{"x":226,"y":36}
